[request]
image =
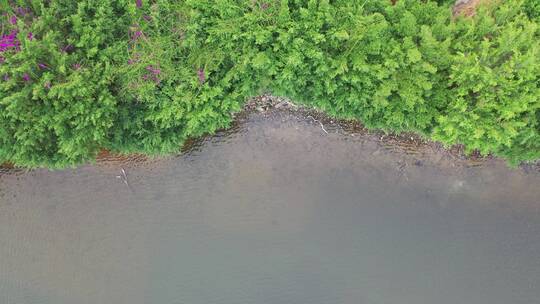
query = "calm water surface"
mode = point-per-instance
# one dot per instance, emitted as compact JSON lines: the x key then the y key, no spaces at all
{"x":275,"y":211}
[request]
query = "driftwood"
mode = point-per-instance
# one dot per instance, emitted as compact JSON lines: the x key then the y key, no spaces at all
{"x":315,"y":120}
{"x":124,"y":178}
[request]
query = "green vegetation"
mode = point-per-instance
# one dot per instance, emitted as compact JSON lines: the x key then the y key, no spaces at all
{"x":532,"y":9}
{"x":143,"y":76}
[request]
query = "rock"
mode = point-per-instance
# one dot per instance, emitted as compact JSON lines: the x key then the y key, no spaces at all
{"x":282,"y":104}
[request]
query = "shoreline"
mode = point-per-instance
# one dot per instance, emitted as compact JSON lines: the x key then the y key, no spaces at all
{"x":406,"y":143}
{"x":269,"y":105}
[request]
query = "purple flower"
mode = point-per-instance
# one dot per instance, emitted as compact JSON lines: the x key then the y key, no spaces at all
{"x":30,"y":36}
{"x":6,"y":77}
{"x":26,"y":77}
{"x":154,"y":78}
{"x":42,"y":66}
{"x":153,"y":70}
{"x":47,"y":85}
{"x":136,"y":35}
{"x":13,"y":20}
{"x":76,"y":66}
{"x":153,"y":75}
{"x":21,"y":11}
{"x":139,"y":3}
{"x":2,"y":59}
{"x":67,"y":48}
{"x":9,"y":41}
{"x":147,"y":18}
{"x":201,"y":75}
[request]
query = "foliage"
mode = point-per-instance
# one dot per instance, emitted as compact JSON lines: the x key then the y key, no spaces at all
{"x":532,"y":9}
{"x":494,"y":84}
{"x":143,"y":76}
{"x":57,"y":101}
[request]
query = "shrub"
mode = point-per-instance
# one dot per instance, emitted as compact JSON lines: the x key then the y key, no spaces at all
{"x":494,"y":86}
{"x":532,"y":9}
{"x":57,"y":101}
{"x":171,"y":86}
{"x":143,"y":76}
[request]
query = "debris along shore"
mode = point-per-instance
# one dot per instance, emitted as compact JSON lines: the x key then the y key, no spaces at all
{"x":407,"y":142}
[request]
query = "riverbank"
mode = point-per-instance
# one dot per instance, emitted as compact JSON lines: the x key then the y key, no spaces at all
{"x":406,"y":143}
{"x":272,"y":107}
{"x":402,"y":66}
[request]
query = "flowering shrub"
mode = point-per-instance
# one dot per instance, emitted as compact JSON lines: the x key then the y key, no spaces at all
{"x":57,"y":101}
{"x":145,"y":75}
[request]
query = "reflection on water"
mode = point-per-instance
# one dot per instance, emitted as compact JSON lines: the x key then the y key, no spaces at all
{"x":276,"y":212}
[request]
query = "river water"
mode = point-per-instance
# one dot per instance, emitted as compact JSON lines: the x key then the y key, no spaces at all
{"x":274,"y":211}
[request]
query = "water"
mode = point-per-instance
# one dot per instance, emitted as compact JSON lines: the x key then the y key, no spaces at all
{"x":274,"y":211}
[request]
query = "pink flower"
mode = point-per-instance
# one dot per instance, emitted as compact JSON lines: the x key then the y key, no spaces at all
{"x":153,"y":70}
{"x":201,"y":75}
{"x":154,"y":74}
{"x":136,"y":35}
{"x":21,"y":10}
{"x":9,"y":41}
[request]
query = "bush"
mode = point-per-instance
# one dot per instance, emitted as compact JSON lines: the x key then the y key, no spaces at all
{"x":532,"y":9}
{"x":143,"y":76}
{"x":494,"y":87}
{"x":171,"y":86}
{"x":57,"y":98}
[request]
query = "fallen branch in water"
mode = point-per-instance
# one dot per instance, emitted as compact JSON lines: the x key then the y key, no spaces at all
{"x":322,"y":126}
{"x":124,"y":178}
